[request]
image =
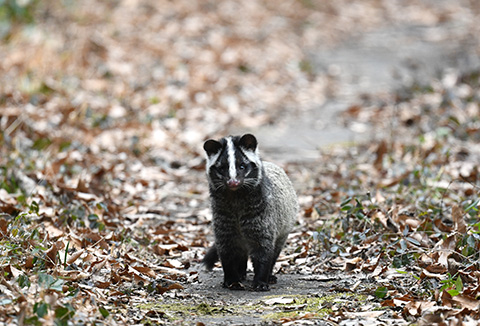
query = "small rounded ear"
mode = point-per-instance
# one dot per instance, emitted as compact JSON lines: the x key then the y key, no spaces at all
{"x":249,"y":142}
{"x":212,"y":146}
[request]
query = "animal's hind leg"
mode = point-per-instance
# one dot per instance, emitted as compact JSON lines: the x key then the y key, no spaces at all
{"x":278,"y":248}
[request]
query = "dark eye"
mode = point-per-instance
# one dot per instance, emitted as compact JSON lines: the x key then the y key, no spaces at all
{"x":242,"y":166}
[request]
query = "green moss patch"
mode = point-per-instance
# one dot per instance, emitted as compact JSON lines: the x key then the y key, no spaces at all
{"x":310,"y":306}
{"x":267,"y":308}
{"x":181,"y":310}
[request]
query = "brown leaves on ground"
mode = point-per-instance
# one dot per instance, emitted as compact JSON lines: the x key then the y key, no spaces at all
{"x":103,"y":201}
{"x":410,"y":217}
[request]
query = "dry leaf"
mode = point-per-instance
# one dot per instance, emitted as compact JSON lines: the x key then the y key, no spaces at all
{"x":73,"y":257}
{"x":353,"y":263}
{"x":465,"y":301}
{"x":29,"y":262}
{"x":458,"y":220}
{"x":102,"y":285}
{"x":279,"y":300}
{"x":436,"y":268}
{"x":97,"y":265}
{"x":145,"y":270}
{"x":3,"y":227}
{"x":52,"y":252}
{"x":380,"y":152}
{"x":173,"y":286}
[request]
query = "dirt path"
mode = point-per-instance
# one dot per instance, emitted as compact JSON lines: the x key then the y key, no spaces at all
{"x":370,"y":62}
{"x":208,"y":302}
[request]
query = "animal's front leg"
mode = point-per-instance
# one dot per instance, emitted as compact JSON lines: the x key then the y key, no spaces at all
{"x":232,"y":264}
{"x":231,"y":249}
{"x":262,"y":265}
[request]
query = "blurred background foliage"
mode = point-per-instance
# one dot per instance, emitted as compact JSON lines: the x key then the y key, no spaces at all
{"x":15,"y":12}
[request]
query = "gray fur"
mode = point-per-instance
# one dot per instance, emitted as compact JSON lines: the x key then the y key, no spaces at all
{"x":253,"y":211}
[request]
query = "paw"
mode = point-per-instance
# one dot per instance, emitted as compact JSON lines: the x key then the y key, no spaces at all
{"x":260,"y":287}
{"x":234,"y":286}
{"x":272,"y":279}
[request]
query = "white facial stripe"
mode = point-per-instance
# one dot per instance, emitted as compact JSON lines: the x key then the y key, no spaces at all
{"x":231,"y":158}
